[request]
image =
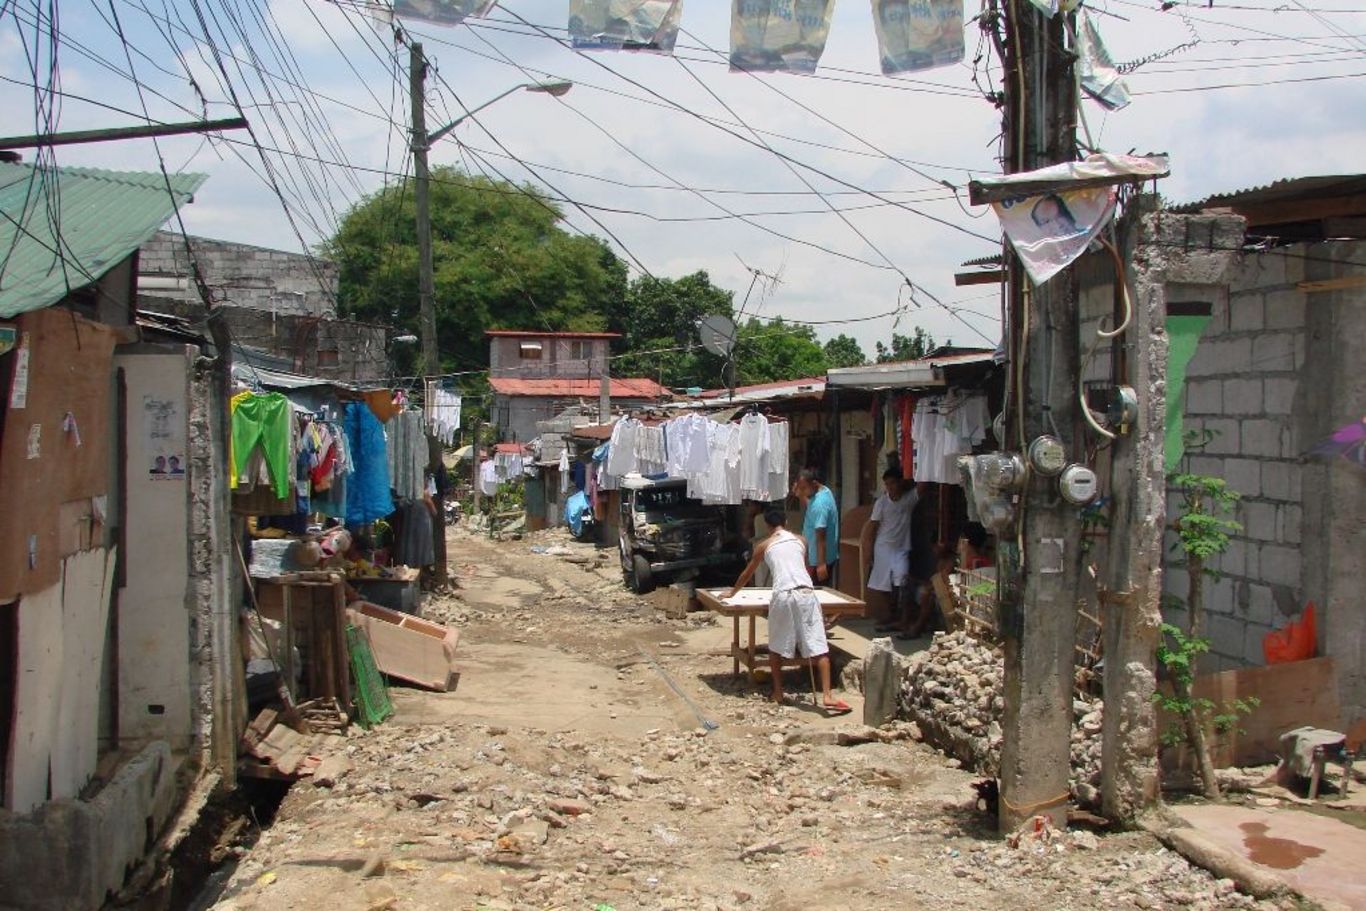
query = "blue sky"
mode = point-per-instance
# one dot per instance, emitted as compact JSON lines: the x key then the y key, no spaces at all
{"x":350,"y":79}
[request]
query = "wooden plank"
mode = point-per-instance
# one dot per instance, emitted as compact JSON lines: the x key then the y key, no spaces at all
{"x":1292,"y":695}
{"x":410,"y":648}
{"x":36,"y":697}
{"x":86,"y":590}
{"x":1343,"y":283}
{"x":984,"y":277}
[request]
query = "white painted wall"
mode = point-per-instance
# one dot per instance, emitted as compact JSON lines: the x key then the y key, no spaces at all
{"x":153,"y":619}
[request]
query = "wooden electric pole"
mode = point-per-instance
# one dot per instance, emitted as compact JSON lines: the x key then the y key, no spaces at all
{"x":426,"y":282}
{"x":1041,"y":574}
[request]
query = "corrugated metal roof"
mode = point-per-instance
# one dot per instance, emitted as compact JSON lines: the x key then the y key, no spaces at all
{"x":519,"y":333}
{"x":1293,"y":188}
{"x":101,"y":216}
{"x":621,"y":387}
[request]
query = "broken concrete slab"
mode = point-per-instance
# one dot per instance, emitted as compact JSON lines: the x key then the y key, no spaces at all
{"x":881,"y":683}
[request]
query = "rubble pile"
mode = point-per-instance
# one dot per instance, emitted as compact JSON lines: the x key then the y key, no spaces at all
{"x":954,"y":692}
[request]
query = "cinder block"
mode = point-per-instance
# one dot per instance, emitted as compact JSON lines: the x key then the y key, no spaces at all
{"x":1220,"y":596}
{"x":1242,"y":475}
{"x":1243,"y":396}
{"x":1224,"y":439}
{"x":1280,"y":565}
{"x":1281,"y":481}
{"x":1233,"y":562}
{"x":1205,"y":397}
{"x":1259,"y":521}
{"x":1226,"y":636}
{"x":1272,"y":352}
{"x":1253,"y":635}
{"x":1289,"y":520}
{"x":1278,"y":395}
{"x":1246,"y":313}
{"x":1258,"y":271}
{"x":1285,"y":309}
{"x":1261,"y":607}
{"x":1220,"y":357}
{"x":1261,"y":437}
{"x":1176,"y":581}
{"x":1201,"y":464}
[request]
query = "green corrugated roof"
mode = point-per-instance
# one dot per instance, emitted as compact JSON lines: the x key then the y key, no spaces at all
{"x":101,"y":217}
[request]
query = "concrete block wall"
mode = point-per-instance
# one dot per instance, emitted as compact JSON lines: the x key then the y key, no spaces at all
{"x":275,"y":281}
{"x":1242,"y":386}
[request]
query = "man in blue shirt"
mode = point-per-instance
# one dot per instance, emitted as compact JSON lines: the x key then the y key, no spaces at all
{"x":821,"y":527}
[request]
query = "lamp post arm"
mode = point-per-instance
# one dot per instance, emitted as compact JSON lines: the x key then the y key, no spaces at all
{"x":441,"y":132}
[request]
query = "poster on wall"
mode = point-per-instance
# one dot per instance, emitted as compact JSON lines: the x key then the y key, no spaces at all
{"x":918,"y":34}
{"x":1050,"y":231}
{"x":781,"y":36}
{"x":445,"y":12}
{"x":163,"y":443}
{"x":632,"y":25}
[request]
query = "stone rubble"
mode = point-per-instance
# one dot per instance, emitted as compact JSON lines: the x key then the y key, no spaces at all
{"x":954,"y":692}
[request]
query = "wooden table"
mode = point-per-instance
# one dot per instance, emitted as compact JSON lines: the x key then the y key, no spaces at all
{"x":752,"y":603}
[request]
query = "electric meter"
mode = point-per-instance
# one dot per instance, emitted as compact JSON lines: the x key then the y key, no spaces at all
{"x":1047,"y":455}
{"x":1004,"y":471}
{"x":1077,"y":485}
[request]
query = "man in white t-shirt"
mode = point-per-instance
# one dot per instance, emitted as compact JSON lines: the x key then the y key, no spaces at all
{"x":889,"y":529}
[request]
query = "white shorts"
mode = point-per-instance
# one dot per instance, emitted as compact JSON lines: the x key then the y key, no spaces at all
{"x":891,"y":566}
{"x":795,"y":620}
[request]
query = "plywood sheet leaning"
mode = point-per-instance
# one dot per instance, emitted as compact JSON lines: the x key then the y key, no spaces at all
{"x":87,"y":586}
{"x":418,"y":651}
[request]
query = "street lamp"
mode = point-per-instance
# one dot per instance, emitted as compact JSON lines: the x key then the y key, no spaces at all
{"x":426,"y":280}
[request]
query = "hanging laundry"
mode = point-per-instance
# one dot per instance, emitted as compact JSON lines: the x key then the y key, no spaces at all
{"x":918,"y":34}
{"x":685,"y":439}
{"x":1049,"y":232}
{"x":488,"y":478}
{"x":778,"y":35}
{"x":632,"y":25}
{"x":443,"y":414}
{"x":368,"y":493}
{"x":264,"y":421}
{"x":443,"y":12}
{"x":777,"y":461}
{"x":650,"y":453}
{"x":755,"y":445}
{"x":1099,"y":77}
{"x":408,"y":454}
{"x":621,"y":448}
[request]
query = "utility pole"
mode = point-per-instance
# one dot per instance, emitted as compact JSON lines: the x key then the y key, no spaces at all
{"x":426,"y":291}
{"x":1040,"y":578}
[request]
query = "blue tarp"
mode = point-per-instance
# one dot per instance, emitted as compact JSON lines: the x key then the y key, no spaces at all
{"x":574,"y":508}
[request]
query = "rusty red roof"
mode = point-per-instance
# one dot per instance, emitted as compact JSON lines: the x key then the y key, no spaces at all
{"x":519,"y":333}
{"x":509,"y":447}
{"x":621,"y":387}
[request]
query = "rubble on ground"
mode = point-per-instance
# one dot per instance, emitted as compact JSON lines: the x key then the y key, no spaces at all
{"x":954,"y":692}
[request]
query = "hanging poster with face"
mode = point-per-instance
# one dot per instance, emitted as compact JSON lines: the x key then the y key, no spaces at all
{"x":785,"y":36}
{"x":163,"y":439}
{"x":632,"y":25}
{"x":444,"y":12}
{"x":918,"y":34}
{"x":1050,"y":231}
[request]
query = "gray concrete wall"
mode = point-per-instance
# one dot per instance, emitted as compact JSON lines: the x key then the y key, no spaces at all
{"x":557,"y":358}
{"x":69,"y":855}
{"x":274,"y":281}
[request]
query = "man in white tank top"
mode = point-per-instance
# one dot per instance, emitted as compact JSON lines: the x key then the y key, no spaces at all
{"x":795,"y":621}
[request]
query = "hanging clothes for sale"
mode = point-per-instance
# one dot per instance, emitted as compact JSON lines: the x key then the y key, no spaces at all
{"x":262,"y":424}
{"x":621,"y":448}
{"x":368,"y":496}
{"x":685,"y":439}
{"x":651,"y":460}
{"x":408,"y":454}
{"x":413,"y":544}
{"x":755,"y":445}
{"x":946,"y":427}
{"x":564,"y":470}
{"x":777,"y":461}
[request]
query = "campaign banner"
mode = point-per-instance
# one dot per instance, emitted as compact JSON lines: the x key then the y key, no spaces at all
{"x":918,"y":34}
{"x":1050,"y":231}
{"x":782,"y":36}
{"x":633,"y":25}
{"x":443,"y":12}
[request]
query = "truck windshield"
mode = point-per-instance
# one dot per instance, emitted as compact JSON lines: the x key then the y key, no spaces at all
{"x":660,"y":498}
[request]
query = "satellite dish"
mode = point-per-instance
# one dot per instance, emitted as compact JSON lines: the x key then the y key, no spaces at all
{"x":718,"y":334}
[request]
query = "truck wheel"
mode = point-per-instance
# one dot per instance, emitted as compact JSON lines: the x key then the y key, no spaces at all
{"x":642,"y":577}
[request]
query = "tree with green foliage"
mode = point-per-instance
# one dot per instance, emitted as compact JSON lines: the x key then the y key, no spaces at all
{"x":906,"y":347}
{"x":501,"y":261}
{"x":773,"y":351}
{"x":658,"y":318}
{"x":844,"y":351}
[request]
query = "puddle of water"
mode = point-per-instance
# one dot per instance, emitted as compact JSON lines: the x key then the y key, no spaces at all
{"x":1280,"y":853}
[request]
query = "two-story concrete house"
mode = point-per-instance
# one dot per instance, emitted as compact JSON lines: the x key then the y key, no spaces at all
{"x":536,"y":375}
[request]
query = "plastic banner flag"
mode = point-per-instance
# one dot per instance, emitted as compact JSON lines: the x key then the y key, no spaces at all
{"x":1050,"y":231}
{"x":785,"y":36}
{"x":445,"y":12}
{"x":646,"y":25}
{"x":1099,"y":78}
{"x":1183,"y":336}
{"x":918,"y":34}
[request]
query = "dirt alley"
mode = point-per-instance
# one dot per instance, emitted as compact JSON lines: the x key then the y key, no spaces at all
{"x":564,"y":773}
